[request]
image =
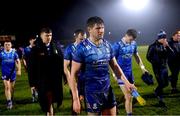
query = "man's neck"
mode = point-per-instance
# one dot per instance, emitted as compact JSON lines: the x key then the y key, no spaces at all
{"x":95,"y":41}
{"x":8,"y":50}
{"x":124,"y":40}
{"x":76,"y":43}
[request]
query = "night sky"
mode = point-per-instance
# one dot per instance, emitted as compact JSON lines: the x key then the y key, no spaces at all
{"x":64,"y":16}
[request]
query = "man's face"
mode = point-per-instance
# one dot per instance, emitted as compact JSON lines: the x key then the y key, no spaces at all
{"x":31,"y":41}
{"x":7,"y":46}
{"x":162,"y":41}
{"x":129,"y":39}
{"x":178,"y":35}
{"x":97,"y":31}
{"x":175,"y":38}
{"x":80,"y":37}
{"x":46,"y":37}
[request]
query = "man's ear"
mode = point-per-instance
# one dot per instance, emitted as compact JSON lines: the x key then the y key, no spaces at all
{"x":41,"y":35}
{"x":88,"y":29}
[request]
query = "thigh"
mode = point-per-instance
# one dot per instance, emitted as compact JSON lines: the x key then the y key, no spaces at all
{"x":126,"y":92}
{"x":110,"y":111}
{"x":12,"y":84}
{"x":6,"y":83}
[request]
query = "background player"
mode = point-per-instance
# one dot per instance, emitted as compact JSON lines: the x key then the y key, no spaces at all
{"x":9,"y":63}
{"x":124,"y":50}
{"x":79,"y":35}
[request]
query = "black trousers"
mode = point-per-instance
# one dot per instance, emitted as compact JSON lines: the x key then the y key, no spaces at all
{"x":174,"y":73}
{"x":161,"y":74}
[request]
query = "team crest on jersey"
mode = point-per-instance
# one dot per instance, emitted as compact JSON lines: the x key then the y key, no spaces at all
{"x":94,"y":106}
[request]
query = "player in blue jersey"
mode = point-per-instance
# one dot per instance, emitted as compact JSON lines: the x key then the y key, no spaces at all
{"x":95,"y":55}
{"x":27,"y":64}
{"x":79,"y":35}
{"x":124,"y":50}
{"x":9,"y":62}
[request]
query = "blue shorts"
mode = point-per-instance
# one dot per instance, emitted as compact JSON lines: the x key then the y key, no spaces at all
{"x":129,"y":77}
{"x":12,"y":78}
{"x":98,"y":101}
{"x":80,"y":86}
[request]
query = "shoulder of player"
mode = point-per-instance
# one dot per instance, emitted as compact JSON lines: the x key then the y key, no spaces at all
{"x":13,"y":50}
{"x":119,"y":44}
{"x":133,"y":43}
{"x":83,"y":44}
{"x":68,"y":47}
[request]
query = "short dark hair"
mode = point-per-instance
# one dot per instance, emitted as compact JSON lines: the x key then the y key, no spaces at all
{"x":46,"y":30}
{"x":79,"y":31}
{"x":176,"y":32}
{"x":31,"y":37}
{"x":94,"y":20}
{"x":7,"y":40}
{"x":132,"y":32}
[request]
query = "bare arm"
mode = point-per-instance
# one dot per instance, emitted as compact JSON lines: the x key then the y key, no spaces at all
{"x":139,"y":62}
{"x":73,"y":85}
{"x":66,"y":70}
{"x":18,"y":66}
{"x":119,"y":73}
{"x":24,"y":63}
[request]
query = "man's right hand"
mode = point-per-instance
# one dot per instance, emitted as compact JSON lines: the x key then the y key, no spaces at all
{"x":130,"y":86}
{"x":76,"y":106}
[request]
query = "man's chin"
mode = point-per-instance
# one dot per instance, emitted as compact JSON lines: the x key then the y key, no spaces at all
{"x":99,"y":38}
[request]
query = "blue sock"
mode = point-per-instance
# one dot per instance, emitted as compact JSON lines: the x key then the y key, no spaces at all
{"x":129,"y":114}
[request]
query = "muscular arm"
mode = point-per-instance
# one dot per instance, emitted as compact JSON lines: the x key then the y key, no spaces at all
{"x":119,"y":73}
{"x":66,"y":70}
{"x":73,"y":85}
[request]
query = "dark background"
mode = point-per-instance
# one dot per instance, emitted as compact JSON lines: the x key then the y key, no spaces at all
{"x":25,"y":18}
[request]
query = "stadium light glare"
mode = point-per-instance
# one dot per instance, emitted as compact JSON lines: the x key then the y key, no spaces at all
{"x":135,"y":4}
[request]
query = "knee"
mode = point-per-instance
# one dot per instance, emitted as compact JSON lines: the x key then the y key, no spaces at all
{"x":128,"y":97}
{"x":7,"y":88}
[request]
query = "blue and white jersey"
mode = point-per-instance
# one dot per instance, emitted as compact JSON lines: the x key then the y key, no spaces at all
{"x":69,"y":51}
{"x":95,"y":61}
{"x":8,"y":62}
{"x":26,"y":54}
{"x":123,"y":53}
{"x":27,"y":51}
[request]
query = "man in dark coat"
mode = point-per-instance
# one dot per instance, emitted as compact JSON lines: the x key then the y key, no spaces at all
{"x":157,"y":55}
{"x":173,"y":60}
{"x":47,"y":61}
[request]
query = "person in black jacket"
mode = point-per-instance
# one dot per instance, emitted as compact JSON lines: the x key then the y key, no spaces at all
{"x":26,"y":62}
{"x":47,"y":61}
{"x":173,"y":60}
{"x":157,"y":55}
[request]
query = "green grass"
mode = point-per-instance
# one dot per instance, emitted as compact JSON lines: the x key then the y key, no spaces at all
{"x":23,"y":105}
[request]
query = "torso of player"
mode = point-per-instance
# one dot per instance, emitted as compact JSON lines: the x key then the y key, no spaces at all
{"x":70,"y":51}
{"x":27,"y":51}
{"x":8,"y":60}
{"x":96,"y":60}
{"x":126,"y":51}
